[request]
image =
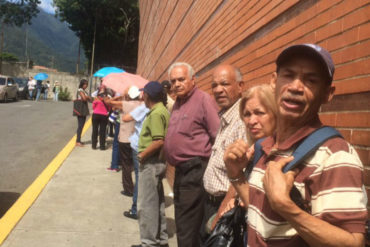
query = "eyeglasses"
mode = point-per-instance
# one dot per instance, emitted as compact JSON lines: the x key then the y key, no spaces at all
{"x":181,"y":80}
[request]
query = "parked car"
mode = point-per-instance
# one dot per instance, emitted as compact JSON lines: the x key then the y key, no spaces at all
{"x":22,"y":87}
{"x":8,"y":88}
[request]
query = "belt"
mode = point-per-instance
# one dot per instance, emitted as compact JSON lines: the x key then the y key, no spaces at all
{"x":215,"y":199}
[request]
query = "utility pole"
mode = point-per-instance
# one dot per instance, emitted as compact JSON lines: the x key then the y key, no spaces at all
{"x":26,"y":51}
{"x":78,"y":56}
{"x":92,"y":56}
{"x":1,"y":47}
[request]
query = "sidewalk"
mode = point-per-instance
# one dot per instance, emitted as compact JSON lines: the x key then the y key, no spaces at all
{"x":82,"y":206}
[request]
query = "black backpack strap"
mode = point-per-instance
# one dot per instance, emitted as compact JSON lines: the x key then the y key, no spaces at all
{"x":310,"y":144}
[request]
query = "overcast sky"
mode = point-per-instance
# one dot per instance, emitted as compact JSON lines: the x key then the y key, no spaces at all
{"x":46,"y":5}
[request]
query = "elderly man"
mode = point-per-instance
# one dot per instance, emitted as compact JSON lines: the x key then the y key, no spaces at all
{"x":227,"y":88}
{"x":330,"y":180}
{"x":191,"y":133}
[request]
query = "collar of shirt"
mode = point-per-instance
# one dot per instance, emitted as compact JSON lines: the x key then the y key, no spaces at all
{"x":159,"y":104}
{"x":229,"y":114}
{"x":183,"y":100}
{"x":269,"y":142}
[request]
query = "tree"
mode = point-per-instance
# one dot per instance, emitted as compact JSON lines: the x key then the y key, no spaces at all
{"x":15,"y":12}
{"x":117,"y":28}
{"x":18,"y":12}
{"x":9,"y":57}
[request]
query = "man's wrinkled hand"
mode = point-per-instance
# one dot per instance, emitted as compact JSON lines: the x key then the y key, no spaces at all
{"x":277,"y":184}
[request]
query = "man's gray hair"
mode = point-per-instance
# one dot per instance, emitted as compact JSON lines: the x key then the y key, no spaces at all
{"x":177,"y":64}
{"x":238,"y":75}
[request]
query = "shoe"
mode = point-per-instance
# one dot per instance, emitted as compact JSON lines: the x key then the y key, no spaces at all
{"x":130,"y":215}
{"x":94,"y":148}
{"x":79,"y":144}
{"x":102,"y":148}
{"x":136,"y":245}
{"x":164,"y":245}
{"x":125,"y":193}
{"x":113,"y":169}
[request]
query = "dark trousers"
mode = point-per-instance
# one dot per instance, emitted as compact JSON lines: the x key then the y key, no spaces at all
{"x":125,"y":157}
{"x":189,"y":201}
{"x":99,"y":124}
{"x":81,"y":122}
{"x":211,"y":206}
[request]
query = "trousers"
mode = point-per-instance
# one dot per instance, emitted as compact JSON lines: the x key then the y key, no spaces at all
{"x":151,"y":206}
{"x":99,"y":124}
{"x":189,"y":197}
{"x":125,"y":159}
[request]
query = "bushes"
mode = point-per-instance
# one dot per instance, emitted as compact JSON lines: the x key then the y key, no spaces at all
{"x":64,"y":94}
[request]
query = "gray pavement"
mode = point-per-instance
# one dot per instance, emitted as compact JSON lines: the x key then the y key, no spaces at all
{"x":82,"y":206}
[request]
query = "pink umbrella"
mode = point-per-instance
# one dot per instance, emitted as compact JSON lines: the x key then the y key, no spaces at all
{"x":119,"y":82}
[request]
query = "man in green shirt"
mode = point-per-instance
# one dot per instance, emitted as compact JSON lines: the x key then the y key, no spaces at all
{"x":152,"y":219}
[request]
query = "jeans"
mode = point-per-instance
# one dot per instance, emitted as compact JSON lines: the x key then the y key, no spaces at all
{"x":38,"y":93}
{"x":56,"y":96}
{"x":81,"y":122}
{"x":152,"y":218}
{"x":46,"y":94}
{"x":99,"y":124}
{"x":115,"y":150}
{"x":136,"y":170}
{"x":30,"y":91}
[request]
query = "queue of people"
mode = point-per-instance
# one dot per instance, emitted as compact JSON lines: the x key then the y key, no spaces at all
{"x":211,"y":143}
{"x":38,"y":88}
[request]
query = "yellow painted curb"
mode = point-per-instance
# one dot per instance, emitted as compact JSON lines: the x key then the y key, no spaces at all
{"x":29,"y":196}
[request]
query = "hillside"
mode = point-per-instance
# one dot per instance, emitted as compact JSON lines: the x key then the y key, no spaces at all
{"x":50,"y":43}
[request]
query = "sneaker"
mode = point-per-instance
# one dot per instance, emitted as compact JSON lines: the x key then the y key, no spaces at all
{"x":130,"y":215}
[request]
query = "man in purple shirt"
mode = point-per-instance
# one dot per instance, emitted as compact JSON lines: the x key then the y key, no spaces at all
{"x":191,"y":133}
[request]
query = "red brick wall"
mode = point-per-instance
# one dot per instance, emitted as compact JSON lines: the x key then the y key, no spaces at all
{"x":251,"y":33}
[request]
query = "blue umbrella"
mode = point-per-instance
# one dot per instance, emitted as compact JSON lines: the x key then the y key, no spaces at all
{"x":41,"y":76}
{"x":107,"y":70}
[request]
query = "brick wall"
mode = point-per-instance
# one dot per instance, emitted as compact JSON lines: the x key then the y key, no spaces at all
{"x":251,"y":33}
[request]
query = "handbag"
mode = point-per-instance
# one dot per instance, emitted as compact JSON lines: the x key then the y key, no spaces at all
{"x":80,"y":108}
{"x":230,"y":229}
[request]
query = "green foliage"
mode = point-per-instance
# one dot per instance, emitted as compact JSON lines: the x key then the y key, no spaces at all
{"x":117,"y":28}
{"x":9,"y":57}
{"x":17,"y":12}
{"x":50,"y":43}
{"x":64,"y":94}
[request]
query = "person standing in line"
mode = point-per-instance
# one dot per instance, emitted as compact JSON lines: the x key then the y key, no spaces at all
{"x":170,"y":95}
{"x":56,"y":91}
{"x":126,"y":130}
{"x":99,"y":120}
{"x":46,"y":87}
{"x":191,"y":133}
{"x":31,"y":87}
{"x":227,"y":85}
{"x":331,"y":208}
{"x":82,"y":95}
{"x":138,"y":115}
{"x":38,"y":89}
{"x":151,"y":207}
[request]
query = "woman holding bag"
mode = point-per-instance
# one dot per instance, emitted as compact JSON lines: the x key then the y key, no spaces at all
{"x":82,"y":96}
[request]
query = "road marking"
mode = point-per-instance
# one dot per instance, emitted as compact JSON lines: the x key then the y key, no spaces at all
{"x":29,"y":196}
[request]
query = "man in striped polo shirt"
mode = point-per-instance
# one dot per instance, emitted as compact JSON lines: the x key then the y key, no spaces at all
{"x":330,"y":180}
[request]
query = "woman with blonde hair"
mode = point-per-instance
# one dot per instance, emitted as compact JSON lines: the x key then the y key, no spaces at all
{"x":258,"y":111}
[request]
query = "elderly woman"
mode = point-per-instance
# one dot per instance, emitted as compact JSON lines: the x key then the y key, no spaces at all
{"x":258,"y":111}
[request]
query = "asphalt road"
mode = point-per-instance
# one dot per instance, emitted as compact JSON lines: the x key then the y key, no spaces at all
{"x":32,"y":134}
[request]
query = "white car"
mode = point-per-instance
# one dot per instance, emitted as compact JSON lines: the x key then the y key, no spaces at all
{"x":8,"y":88}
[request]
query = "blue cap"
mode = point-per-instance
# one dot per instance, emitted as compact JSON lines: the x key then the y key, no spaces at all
{"x":319,"y":53}
{"x":153,"y":88}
